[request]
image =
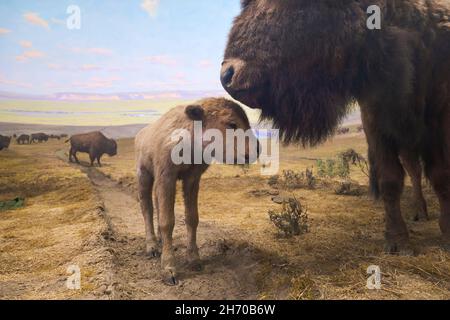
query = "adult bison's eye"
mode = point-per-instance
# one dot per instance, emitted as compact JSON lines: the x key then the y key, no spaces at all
{"x":232,"y":125}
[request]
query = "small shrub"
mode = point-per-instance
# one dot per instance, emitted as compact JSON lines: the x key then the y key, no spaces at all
{"x":296,"y":180}
{"x":351,"y":157}
{"x":273,"y":181}
{"x":292,"y":220}
{"x":348,"y":188}
{"x":321,"y":168}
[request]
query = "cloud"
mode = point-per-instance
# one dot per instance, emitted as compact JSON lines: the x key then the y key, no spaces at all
{"x":58,"y":21}
{"x":30,"y":54}
{"x":4,"y":31}
{"x":89,"y":67}
{"x":97,"y":83}
{"x":161,"y":60}
{"x":26,"y":44}
{"x":8,"y":82}
{"x":95,"y":51}
{"x":151,"y":7}
{"x":35,"y":19}
{"x":54,"y":66}
{"x":205,"y":64}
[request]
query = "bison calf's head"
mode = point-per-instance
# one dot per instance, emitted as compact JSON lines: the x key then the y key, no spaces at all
{"x":221,"y":131}
{"x":294,"y":60}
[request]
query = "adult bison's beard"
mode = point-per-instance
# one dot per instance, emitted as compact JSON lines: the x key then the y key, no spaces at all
{"x":307,"y":111}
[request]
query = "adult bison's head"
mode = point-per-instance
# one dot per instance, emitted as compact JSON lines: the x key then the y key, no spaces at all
{"x":295,"y":60}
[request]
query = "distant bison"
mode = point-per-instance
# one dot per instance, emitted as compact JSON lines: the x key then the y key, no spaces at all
{"x":342,"y":131}
{"x":55,"y":136}
{"x":38,"y":137}
{"x":23,"y":138}
{"x":304,"y":63}
{"x":94,"y":143}
{"x":4,"y":142}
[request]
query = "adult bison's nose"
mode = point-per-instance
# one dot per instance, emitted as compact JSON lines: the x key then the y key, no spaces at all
{"x":226,"y":76}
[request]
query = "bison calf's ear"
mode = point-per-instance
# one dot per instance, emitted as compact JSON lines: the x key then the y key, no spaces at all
{"x":195,"y":112}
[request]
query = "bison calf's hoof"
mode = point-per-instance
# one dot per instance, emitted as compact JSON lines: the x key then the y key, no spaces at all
{"x":152,"y":251}
{"x":169,"y":277}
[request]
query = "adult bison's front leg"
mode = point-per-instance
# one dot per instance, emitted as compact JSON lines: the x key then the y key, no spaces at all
{"x":414,"y":168}
{"x":390,"y":175}
{"x":165,"y":192}
{"x":190,"y":191}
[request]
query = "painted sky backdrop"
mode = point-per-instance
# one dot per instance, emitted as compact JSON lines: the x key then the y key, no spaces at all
{"x":122,"y":46}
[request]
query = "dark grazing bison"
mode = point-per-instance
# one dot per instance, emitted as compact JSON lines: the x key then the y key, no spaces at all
{"x":304,"y":62}
{"x":4,"y":142}
{"x":94,"y":143}
{"x":23,"y":138}
{"x":38,"y":137}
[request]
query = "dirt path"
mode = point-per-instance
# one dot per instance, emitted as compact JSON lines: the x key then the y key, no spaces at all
{"x":230,"y":263}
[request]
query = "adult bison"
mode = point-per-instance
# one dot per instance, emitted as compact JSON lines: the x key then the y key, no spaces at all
{"x":94,"y":143}
{"x":39,"y":137}
{"x":4,"y":142}
{"x":23,"y":138}
{"x":303,"y":62}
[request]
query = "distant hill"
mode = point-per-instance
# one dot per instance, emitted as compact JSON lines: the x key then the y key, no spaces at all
{"x":123,"y":96}
{"x":115,"y":132}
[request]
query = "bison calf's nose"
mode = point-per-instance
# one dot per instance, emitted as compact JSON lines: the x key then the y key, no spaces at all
{"x":226,"y":76}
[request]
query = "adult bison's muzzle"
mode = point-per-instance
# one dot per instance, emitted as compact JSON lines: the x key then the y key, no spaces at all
{"x":244,"y":81}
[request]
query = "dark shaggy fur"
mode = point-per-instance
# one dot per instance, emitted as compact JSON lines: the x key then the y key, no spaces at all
{"x":4,"y":142}
{"x":39,"y":137}
{"x":23,"y":138}
{"x":303,"y":62}
{"x":94,"y":143}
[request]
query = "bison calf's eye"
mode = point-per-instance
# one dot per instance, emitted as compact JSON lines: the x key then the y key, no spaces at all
{"x":232,"y":126}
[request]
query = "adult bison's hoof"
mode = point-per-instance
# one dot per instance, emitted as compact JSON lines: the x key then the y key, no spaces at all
{"x":169,"y":277}
{"x":402,"y":248}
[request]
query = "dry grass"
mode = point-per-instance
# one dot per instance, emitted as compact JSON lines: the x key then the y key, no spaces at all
{"x":345,"y":236}
{"x":59,"y":226}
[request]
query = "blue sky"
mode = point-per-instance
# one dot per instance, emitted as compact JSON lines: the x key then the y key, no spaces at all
{"x":122,"y":46}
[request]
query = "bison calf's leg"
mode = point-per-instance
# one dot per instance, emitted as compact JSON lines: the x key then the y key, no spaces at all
{"x":145,"y":186}
{"x":165,"y":192}
{"x":98,"y":161}
{"x":190,"y":191}
{"x":414,"y":168}
{"x":391,"y":180}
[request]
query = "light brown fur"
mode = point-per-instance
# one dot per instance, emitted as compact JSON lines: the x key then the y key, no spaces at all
{"x":158,"y":174}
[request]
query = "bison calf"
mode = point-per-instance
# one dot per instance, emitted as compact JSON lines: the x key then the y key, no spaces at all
{"x":154,"y":146}
{"x":94,"y":143}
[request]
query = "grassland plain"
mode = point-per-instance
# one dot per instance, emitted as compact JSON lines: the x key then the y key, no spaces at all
{"x":243,"y":255}
{"x":89,"y":113}
{"x":345,"y":238}
{"x":60,"y":225}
